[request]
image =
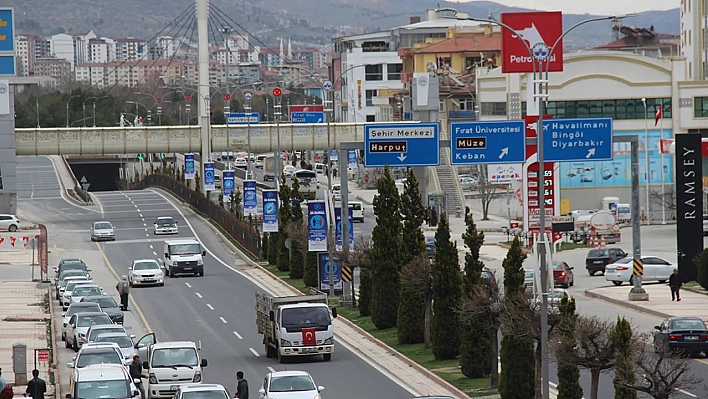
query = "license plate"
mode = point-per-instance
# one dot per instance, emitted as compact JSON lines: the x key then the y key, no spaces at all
{"x":187,"y":268}
{"x":597,"y":262}
{"x":149,"y":280}
{"x":174,"y":387}
{"x":690,"y":337}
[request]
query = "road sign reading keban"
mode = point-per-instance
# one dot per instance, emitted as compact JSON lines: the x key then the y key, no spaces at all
{"x":399,"y":145}
{"x":487,"y":142}
{"x":539,"y":30}
{"x":580,"y":139}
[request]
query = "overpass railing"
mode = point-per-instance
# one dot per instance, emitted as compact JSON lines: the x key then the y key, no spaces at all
{"x":246,"y":236}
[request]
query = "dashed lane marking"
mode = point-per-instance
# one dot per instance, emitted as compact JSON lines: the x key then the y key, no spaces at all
{"x":254,"y":352}
{"x":238,"y":335}
{"x":210,"y":307}
{"x":223,"y":320}
{"x":198,"y":295}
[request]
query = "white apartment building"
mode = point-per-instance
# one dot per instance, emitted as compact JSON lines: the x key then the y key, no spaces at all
{"x":62,"y":46}
{"x":694,"y":27}
{"x":238,"y":42}
{"x":101,"y":50}
{"x":167,"y":46}
{"x":81,"y":47}
{"x":131,"y":48}
{"x":25,"y":52}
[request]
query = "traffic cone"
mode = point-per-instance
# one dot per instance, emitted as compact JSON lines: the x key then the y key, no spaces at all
{"x":595,"y":241}
{"x":602,"y":241}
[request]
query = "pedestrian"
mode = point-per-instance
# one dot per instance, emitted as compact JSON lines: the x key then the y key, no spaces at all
{"x":7,"y":392}
{"x":434,"y":218}
{"x":36,"y":388}
{"x":2,"y":381}
{"x":242,"y":387}
{"x":675,"y":284}
{"x":136,"y":373}
{"x":428,"y":215}
{"x":123,"y":288}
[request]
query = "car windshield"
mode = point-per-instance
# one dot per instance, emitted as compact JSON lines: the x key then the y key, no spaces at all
{"x":73,"y":309}
{"x":598,"y":253}
{"x":185,"y":249}
{"x":72,"y":273}
{"x":356,"y":206}
{"x":291,"y":383}
{"x":98,"y":331}
{"x":429,"y":240}
{"x":105,"y":302}
{"x":102,"y":226}
{"x":123,"y":341}
{"x":66,"y":282}
{"x":306,"y":317}
{"x":165,"y":222}
{"x":105,"y":356}
{"x":73,"y":266}
{"x":86,"y":291}
{"x":103,"y":389}
{"x":688,"y":324}
{"x":87,"y":321}
{"x":623,"y":209}
{"x":146,"y":265}
{"x":557,"y":266}
{"x":70,"y":287}
{"x":169,"y":357}
{"x":529,"y":274}
{"x":212,"y":394}
{"x":624,"y":261}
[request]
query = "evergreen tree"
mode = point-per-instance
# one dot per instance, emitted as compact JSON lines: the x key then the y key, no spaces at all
{"x":513,"y":269}
{"x":298,"y":256}
{"x":476,"y":346}
{"x":310,"y":274}
{"x":411,"y":307}
{"x":284,"y":216}
{"x":568,"y":373}
{"x":264,"y":246}
{"x":447,"y":292}
{"x":365,"y":292}
{"x":624,"y":363}
{"x":387,"y":253}
{"x":273,"y":241}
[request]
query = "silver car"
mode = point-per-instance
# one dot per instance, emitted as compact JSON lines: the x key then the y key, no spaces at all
{"x":146,"y":272}
{"x":102,"y":231}
{"x":81,"y":291}
{"x":124,"y":341}
{"x":83,"y":307}
{"x":66,"y":296}
{"x":164,"y":225}
{"x":78,"y":327}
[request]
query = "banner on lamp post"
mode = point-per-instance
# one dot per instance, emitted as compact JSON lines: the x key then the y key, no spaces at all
{"x":250,"y":200}
{"x":339,"y":233}
{"x":209,"y":173}
{"x":229,"y":182}
{"x":189,"y":166}
{"x":270,"y":211}
{"x":316,"y":226}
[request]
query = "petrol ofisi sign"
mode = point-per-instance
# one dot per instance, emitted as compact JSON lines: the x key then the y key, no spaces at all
{"x":539,"y":30}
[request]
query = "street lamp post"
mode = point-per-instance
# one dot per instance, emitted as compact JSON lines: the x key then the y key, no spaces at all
{"x":227,"y":103}
{"x":36,"y":105}
{"x":67,"y":108}
{"x":646,"y":154}
{"x":247,"y":107}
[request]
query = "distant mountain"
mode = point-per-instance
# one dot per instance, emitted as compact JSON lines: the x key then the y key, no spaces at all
{"x":306,"y":22}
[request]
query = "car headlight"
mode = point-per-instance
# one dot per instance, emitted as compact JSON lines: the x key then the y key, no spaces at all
{"x":197,"y":377}
{"x":200,"y":262}
{"x":329,"y":341}
{"x":284,"y":342}
{"x":153,"y":379}
{"x":82,"y":335}
{"x":317,"y":397}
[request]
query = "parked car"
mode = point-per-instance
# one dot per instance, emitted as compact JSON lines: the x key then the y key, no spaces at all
{"x":76,"y":308}
{"x":705,"y":225}
{"x":655,"y":269}
{"x":563,"y":274}
{"x":102,"y":231}
{"x":65,"y":283}
{"x":685,"y":334}
{"x":205,"y":391}
{"x":102,"y":381}
{"x":84,"y":290}
{"x":9,"y":222}
{"x":124,"y":342}
{"x":469,"y":183}
{"x":78,"y":326}
{"x":64,"y":275}
{"x":70,"y":264}
{"x":108,"y":305}
{"x":598,"y":258}
{"x":430,"y":245}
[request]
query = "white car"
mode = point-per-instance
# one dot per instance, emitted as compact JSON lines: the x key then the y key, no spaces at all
{"x":123,"y":340}
{"x":102,"y":381}
{"x":66,"y":296}
{"x":655,"y":269}
{"x":83,"y":290}
{"x":78,"y":327}
{"x":90,"y":355}
{"x":9,"y":222}
{"x":76,"y":308}
{"x":102,"y":231}
{"x":240,"y":163}
{"x":288,"y":170}
{"x":97,"y":329}
{"x":65,"y":282}
{"x":337,"y":192}
{"x":165,"y":225}
{"x":289,"y":385}
{"x":202,"y":391}
{"x":146,"y":272}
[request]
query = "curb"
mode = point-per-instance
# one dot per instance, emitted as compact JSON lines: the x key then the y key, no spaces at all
{"x":506,"y":246}
{"x":641,"y":309}
{"x":54,"y":367}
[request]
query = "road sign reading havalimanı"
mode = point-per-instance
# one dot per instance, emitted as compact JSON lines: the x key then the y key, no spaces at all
{"x":581,"y":139}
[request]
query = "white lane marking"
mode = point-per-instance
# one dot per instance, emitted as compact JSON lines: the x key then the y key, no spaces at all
{"x":210,"y":307}
{"x":154,"y":253}
{"x":141,"y":215}
{"x":145,"y":225}
{"x":223,"y":320}
{"x":198,"y":295}
{"x":687,"y":393}
{"x":146,"y":234}
{"x":136,"y":207}
{"x":151,"y":246}
{"x":238,"y":335}
{"x":254,"y":352}
{"x":187,"y":284}
{"x":272,"y":370}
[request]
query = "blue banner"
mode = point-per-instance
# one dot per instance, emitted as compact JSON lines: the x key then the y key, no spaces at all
{"x":338,"y":220}
{"x":250,"y":200}
{"x":324,"y":268}
{"x":352,"y":158}
{"x":189,"y":166}
{"x":229,"y":182}
{"x":316,"y":226}
{"x":334,"y":155}
{"x":209,"y":182}
{"x":270,"y":211}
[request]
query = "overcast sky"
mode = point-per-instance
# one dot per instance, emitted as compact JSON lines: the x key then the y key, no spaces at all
{"x":596,"y":7}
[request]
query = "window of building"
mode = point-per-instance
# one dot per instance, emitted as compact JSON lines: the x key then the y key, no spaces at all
{"x":373,"y":72}
{"x":370,"y":94}
{"x":471,"y":61}
{"x":625,"y":109}
{"x":493,"y":109}
{"x":371,"y":118}
{"x":700,"y":107}
{"x":394,"y":71}
{"x":466,"y":104}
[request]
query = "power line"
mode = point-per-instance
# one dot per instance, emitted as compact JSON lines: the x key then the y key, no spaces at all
{"x":225,"y":17}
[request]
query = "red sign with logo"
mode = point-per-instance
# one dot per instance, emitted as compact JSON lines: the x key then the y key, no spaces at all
{"x":539,"y":30}
{"x":187,"y":97}
{"x":277,"y":92}
{"x":534,"y":182}
{"x":514,"y":225}
{"x":43,"y":355}
{"x":227,"y":97}
{"x":306,"y":108}
{"x":308,"y":337}
{"x":159,"y":100}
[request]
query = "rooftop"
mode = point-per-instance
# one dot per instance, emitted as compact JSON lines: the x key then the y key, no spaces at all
{"x":475,"y":43}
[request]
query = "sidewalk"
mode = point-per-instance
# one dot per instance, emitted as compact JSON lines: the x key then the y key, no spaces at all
{"x":67,"y":180}
{"x":659,"y":303}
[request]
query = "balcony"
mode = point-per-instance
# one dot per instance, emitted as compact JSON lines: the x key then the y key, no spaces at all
{"x":462,"y":115}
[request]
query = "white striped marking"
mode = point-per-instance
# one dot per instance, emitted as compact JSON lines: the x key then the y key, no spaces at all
{"x":141,"y":215}
{"x":223,"y":320}
{"x":687,"y":393}
{"x":188,"y":285}
{"x":151,"y":247}
{"x":238,"y":335}
{"x":198,"y":295}
{"x":254,"y":352}
{"x":272,"y":370}
{"x":210,"y":307}
{"x":154,"y":253}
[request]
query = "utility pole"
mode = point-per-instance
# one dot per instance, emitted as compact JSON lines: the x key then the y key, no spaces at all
{"x":202,"y":10}
{"x":227,"y":104}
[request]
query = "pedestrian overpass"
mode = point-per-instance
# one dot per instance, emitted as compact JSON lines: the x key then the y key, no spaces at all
{"x":183,"y":139}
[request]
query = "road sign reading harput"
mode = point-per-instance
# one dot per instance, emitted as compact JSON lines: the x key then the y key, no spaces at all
{"x":399,"y":145}
{"x":579,"y":139}
{"x":539,"y":30}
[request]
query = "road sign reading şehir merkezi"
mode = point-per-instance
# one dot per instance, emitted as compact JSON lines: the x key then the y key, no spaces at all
{"x":580,"y":139}
{"x":487,"y":142}
{"x":398,"y":145}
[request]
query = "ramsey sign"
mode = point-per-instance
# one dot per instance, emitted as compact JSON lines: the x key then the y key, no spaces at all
{"x":539,"y":30}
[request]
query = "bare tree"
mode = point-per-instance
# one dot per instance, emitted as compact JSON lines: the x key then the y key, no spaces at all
{"x":667,"y":198}
{"x":590,"y":347}
{"x":485,"y":188}
{"x":298,"y":234}
{"x":360,"y":255}
{"x":418,"y":276}
{"x":661,"y":372}
{"x":486,"y":301}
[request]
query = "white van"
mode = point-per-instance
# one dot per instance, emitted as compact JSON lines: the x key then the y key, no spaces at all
{"x":307,"y":180}
{"x":357,"y":210}
{"x":184,"y":257}
{"x":170,"y":364}
{"x":320,"y":168}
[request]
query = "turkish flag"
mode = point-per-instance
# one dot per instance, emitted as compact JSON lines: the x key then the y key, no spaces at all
{"x":659,"y":114}
{"x":12,"y":241}
{"x":308,"y":337}
{"x":2,"y":240}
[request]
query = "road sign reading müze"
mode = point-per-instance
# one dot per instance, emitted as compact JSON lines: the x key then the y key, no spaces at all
{"x":401,"y":144}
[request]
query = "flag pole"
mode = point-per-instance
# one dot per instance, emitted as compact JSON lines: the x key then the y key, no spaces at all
{"x":661,"y":155}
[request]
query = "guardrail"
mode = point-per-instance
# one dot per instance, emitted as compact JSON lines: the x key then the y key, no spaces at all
{"x":246,"y":236}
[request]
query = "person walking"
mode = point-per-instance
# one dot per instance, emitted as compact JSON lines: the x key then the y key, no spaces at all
{"x":2,"y":381}
{"x":136,"y":373}
{"x":36,"y":388}
{"x":675,"y":285}
{"x":242,"y":387}
{"x":428,"y":216}
{"x":123,"y":288}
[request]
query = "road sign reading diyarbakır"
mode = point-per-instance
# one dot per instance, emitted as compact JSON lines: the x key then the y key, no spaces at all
{"x":398,"y":145}
{"x":487,"y":142}
{"x":586,"y":139}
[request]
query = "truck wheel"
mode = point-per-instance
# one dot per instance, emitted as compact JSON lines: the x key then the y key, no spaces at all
{"x":281,"y":359}
{"x":327,"y":357}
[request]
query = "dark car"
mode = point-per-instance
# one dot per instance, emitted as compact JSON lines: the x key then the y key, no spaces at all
{"x":430,"y":245}
{"x":598,"y":258}
{"x":685,"y":334}
{"x":563,"y":275}
{"x":108,"y":306}
{"x":70,"y":264}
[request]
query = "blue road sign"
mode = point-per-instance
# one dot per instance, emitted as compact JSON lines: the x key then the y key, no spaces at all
{"x":316,"y":226}
{"x":7,"y":30}
{"x":270,"y":211}
{"x":307,"y":117}
{"x":189,"y":166}
{"x":487,"y":142}
{"x":229,"y":182}
{"x":338,"y":220}
{"x":209,"y":182}
{"x":401,"y":144}
{"x":7,"y":65}
{"x":324,"y":267}
{"x":580,"y":139}
{"x":250,"y":199}
{"x":241,"y":118}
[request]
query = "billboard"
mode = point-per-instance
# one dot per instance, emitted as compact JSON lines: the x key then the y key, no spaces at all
{"x":689,"y":203}
{"x":539,"y":30}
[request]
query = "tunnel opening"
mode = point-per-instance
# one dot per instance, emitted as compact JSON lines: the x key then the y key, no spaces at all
{"x":99,"y":175}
